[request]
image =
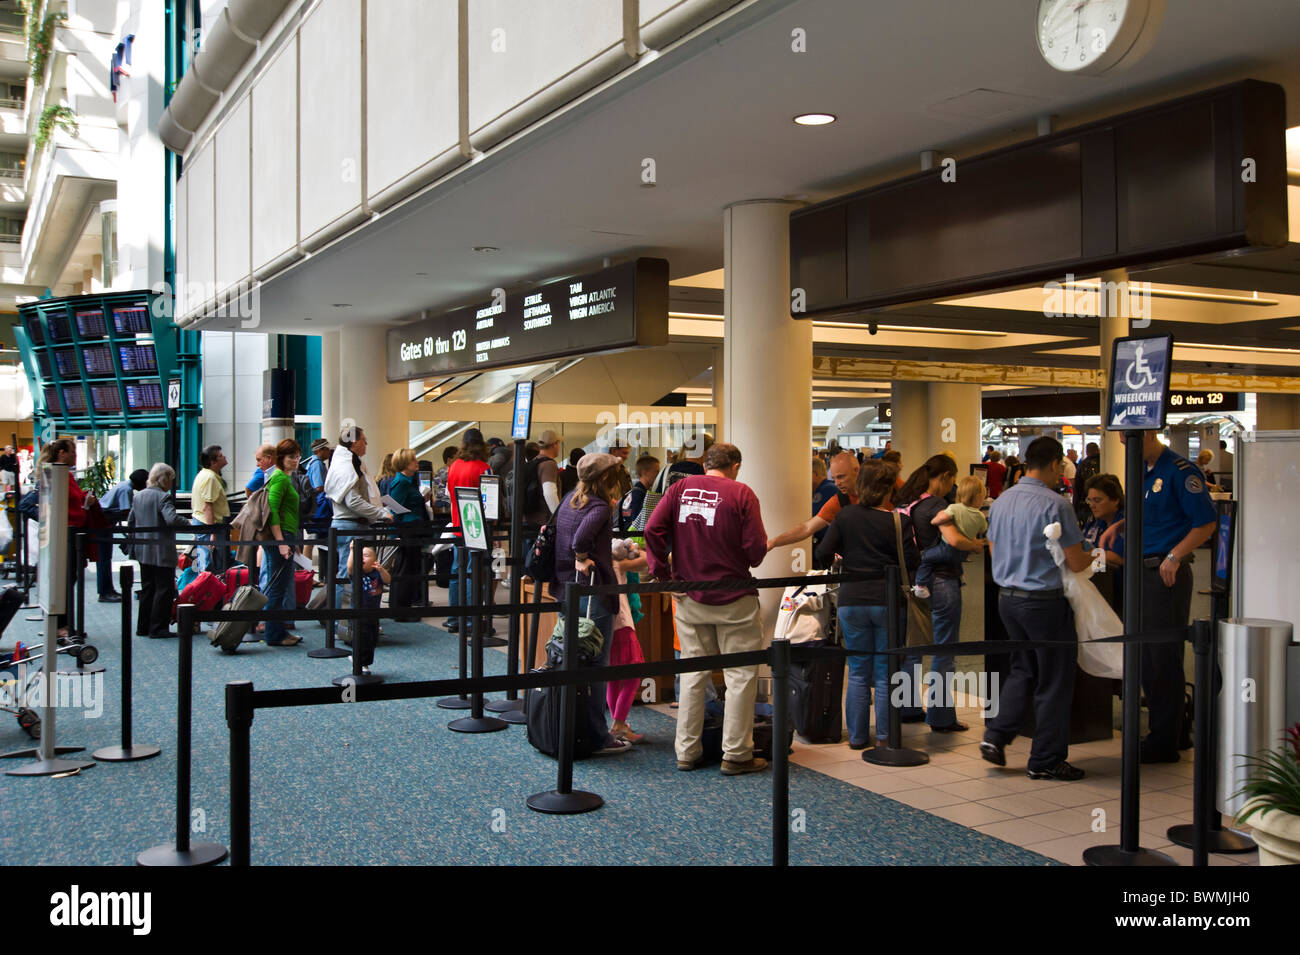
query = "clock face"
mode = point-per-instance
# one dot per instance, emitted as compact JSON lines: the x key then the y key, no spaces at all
{"x":1081,"y":35}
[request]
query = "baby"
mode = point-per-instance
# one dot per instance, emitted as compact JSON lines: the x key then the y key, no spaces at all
{"x":374,"y":576}
{"x":968,"y":519}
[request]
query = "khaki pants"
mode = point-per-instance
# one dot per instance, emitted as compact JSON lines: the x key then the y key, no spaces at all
{"x":705,"y":630}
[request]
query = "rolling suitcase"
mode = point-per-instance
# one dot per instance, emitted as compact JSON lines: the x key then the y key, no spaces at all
{"x":236,"y":577}
{"x":206,"y":592}
{"x":230,"y":633}
{"x":302,"y":580}
{"x":816,"y":700}
{"x":542,"y":706}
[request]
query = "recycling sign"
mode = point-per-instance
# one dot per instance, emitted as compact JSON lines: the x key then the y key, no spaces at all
{"x":1140,"y":373}
{"x":470,"y":507}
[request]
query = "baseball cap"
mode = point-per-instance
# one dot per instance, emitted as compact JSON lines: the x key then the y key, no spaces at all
{"x":548,"y":438}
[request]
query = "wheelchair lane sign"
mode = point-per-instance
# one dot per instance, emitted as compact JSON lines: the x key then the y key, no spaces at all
{"x":1140,"y":373}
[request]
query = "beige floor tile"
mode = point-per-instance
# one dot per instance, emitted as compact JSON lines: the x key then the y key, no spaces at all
{"x":1154,"y":830}
{"x":882,"y":785}
{"x":1020,"y":832}
{"x":1158,"y":779}
{"x":974,"y":789}
{"x":971,"y":814}
{"x":1170,"y":803}
{"x":1020,"y":805}
{"x":848,"y":769}
{"x":1184,"y":856}
{"x":1073,"y":821}
{"x":1069,"y":795}
{"x":929,"y":776}
{"x":1017,"y":782}
{"x":926,"y":798}
{"x":1069,"y":849}
{"x":840,"y":752}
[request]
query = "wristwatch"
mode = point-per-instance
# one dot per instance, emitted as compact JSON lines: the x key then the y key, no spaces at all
{"x":1170,"y":556}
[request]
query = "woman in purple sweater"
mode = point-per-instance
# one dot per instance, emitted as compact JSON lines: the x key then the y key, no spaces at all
{"x":583,"y":545}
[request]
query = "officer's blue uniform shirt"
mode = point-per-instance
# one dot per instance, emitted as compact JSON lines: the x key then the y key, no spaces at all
{"x":825,"y":491}
{"x":1016,"y":521}
{"x":1174,"y":500}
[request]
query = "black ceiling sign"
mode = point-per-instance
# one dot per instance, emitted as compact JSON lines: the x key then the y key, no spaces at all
{"x":619,"y":307}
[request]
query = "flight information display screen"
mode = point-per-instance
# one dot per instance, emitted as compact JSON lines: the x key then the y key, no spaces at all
{"x":34,"y":332}
{"x":43,"y":360}
{"x":74,"y":398}
{"x":60,"y":331}
{"x":131,"y":320}
{"x":52,"y":400}
{"x":90,"y":324}
{"x":144,"y":396}
{"x":106,"y":399}
{"x":98,"y":360}
{"x":66,"y":359}
{"x":619,"y":307}
{"x":137,"y":359}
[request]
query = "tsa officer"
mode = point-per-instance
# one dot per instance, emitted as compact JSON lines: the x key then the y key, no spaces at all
{"x":1177,"y":517}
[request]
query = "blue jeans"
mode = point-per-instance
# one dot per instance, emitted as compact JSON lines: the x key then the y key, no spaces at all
{"x":347,"y":532}
{"x":279,"y":587}
{"x":864,"y":629}
{"x":453,"y":587}
{"x":940,"y":553}
{"x":104,"y":562}
{"x":945,"y":612}
{"x":202,"y":554}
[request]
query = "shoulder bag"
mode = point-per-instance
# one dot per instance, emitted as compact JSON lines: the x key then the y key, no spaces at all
{"x":920,"y":627}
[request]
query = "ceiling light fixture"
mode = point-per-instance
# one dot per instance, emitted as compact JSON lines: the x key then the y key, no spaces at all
{"x":1279,"y":351}
{"x":1136,"y":287}
{"x":815,"y":119}
{"x":342,"y":305}
{"x":486,"y":248}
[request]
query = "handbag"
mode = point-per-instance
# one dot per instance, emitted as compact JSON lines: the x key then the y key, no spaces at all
{"x":920,"y":626}
{"x":652,"y":498}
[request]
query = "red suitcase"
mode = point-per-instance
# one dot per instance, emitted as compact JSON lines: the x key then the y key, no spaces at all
{"x":206,"y":591}
{"x":302,"y":580}
{"x":236,"y":577}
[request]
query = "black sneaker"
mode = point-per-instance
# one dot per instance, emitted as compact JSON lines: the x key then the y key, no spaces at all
{"x":1061,"y":772}
{"x":993,"y":753}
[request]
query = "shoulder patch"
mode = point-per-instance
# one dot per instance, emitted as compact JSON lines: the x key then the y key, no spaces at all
{"x":1193,"y":484}
{"x":1184,"y":465}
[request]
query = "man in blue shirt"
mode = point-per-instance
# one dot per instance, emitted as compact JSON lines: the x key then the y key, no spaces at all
{"x":823,"y":490}
{"x":1177,"y":517}
{"x":317,"y":466}
{"x":265,"y":465}
{"x":1032,"y":604}
{"x":116,"y":505}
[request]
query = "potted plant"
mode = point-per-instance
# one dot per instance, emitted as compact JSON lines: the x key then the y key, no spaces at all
{"x":1273,"y":809}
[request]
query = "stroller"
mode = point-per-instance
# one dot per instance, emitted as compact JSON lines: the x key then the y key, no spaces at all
{"x":14,"y":688}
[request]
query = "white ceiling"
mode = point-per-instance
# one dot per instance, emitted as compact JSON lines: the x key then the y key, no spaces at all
{"x":716,"y":117}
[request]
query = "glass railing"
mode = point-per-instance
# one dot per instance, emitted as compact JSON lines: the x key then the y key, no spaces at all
{"x":11,"y":103}
{"x":12,"y":174}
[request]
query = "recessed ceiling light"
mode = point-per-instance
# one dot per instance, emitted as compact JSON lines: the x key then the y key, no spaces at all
{"x":815,"y":119}
{"x":486,"y":248}
{"x":342,"y":304}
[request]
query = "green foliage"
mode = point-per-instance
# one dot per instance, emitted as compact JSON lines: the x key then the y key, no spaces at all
{"x":58,"y":115}
{"x":40,"y":36}
{"x":98,"y":479}
{"x":1274,"y":780}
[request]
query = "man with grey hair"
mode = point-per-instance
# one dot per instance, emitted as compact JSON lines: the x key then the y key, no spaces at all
{"x":209,"y":505}
{"x":265,"y":456}
{"x":712,"y":527}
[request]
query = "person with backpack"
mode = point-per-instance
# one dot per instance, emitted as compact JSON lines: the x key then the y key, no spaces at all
{"x":542,"y":480}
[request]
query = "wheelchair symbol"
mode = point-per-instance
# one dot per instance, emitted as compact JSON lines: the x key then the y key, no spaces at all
{"x":1140,"y":368}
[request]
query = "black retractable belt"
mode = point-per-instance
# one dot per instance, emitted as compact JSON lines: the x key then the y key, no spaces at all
{"x":128,"y":751}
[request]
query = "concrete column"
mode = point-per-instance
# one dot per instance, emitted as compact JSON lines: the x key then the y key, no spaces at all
{"x":954,"y":416}
{"x":1275,"y":413}
{"x":719,"y":402}
{"x":910,"y":425}
{"x":329,"y":383}
{"x":1180,"y":436}
{"x":767,"y":369}
{"x":1111,"y":327}
{"x":365,"y":396}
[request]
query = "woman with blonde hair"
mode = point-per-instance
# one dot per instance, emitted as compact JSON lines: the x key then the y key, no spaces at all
{"x":584,"y":551}
{"x":387,"y":472}
{"x":408,"y":588}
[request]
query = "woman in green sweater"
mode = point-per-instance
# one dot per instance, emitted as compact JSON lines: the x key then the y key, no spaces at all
{"x":282,"y":499}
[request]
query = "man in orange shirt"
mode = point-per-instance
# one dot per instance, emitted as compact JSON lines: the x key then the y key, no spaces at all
{"x":844,"y":472}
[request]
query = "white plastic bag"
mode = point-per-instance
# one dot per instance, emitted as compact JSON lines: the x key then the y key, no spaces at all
{"x":1093,"y":617}
{"x":804,"y":615}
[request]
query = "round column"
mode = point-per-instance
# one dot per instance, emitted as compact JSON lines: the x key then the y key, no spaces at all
{"x":329,"y":385}
{"x":365,"y":395}
{"x":1111,"y":326}
{"x":910,"y":423}
{"x":954,"y":415}
{"x":767,"y":375}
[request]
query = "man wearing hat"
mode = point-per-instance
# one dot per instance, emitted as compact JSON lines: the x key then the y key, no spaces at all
{"x":542,"y":480}
{"x":116,"y":505}
{"x":317,"y":466}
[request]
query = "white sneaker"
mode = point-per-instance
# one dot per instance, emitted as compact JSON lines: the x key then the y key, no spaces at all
{"x":921,"y":592}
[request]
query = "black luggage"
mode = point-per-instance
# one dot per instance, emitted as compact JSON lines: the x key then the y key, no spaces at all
{"x":11,"y":601}
{"x":816,"y":700}
{"x":542,"y":707}
{"x":763,"y":738}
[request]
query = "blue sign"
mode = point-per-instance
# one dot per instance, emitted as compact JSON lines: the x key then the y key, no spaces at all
{"x":1140,"y":373}
{"x":522,"y":420}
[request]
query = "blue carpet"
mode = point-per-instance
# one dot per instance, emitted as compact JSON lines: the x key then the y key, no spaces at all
{"x":387,"y":783}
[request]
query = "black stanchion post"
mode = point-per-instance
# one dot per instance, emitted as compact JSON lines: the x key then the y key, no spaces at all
{"x":77,"y":625}
{"x":780,"y":753}
{"x":330,"y":651}
{"x":511,"y":708}
{"x":357,"y":677}
{"x":1128,"y":852}
{"x":1201,"y":792}
{"x":461,"y":701}
{"x":128,"y":751}
{"x":476,"y":722}
{"x":182,"y":852}
{"x":564,"y":800}
{"x":239,"y":717}
{"x":894,"y":754}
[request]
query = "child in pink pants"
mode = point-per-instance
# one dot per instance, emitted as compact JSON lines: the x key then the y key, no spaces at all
{"x":625,"y":650}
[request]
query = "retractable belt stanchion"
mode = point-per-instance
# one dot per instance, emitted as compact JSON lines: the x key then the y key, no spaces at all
{"x":511,"y":709}
{"x":356,"y":676}
{"x":895,"y":754}
{"x":564,"y":799}
{"x":1128,"y":852}
{"x":780,"y":753}
{"x":476,"y":722}
{"x":182,"y":852}
{"x":128,"y":751}
{"x":78,"y":649}
{"x":330,"y":651}
{"x":460,"y":702}
{"x":239,"y":718}
{"x":77,"y":625}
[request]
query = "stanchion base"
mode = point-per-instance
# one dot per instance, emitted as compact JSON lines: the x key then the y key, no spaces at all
{"x":199,"y":853}
{"x":455,"y":703}
{"x":125,"y":754}
{"x":883,"y":756}
{"x":81,"y":671}
{"x":494,"y":642}
{"x":503,"y":706}
{"x":364,"y":679}
{"x":1118,"y":857}
{"x":328,"y":653}
{"x":515,"y":717}
{"x":36,"y":753}
{"x":564,"y":804}
{"x":484,"y":724}
{"x":1216,"y":840}
{"x":48,"y":767}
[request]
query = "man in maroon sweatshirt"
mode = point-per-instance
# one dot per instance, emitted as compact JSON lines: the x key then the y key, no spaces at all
{"x":711,"y":526}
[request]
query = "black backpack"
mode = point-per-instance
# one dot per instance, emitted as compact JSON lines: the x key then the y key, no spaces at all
{"x":533,"y":499}
{"x":539,"y":562}
{"x":29,"y":505}
{"x":306,"y":496}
